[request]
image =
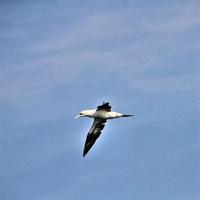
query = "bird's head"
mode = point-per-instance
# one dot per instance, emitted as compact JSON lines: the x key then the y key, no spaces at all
{"x":84,"y":113}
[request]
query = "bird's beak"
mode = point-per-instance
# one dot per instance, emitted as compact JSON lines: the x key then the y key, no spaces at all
{"x":78,"y":116}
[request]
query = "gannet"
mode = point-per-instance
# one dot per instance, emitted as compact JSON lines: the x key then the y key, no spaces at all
{"x":100,"y":115}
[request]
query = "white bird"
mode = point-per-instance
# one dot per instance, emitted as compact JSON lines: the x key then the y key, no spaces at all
{"x":100,"y":115}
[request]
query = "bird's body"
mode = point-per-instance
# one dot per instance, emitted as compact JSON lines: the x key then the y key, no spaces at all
{"x":100,"y":115}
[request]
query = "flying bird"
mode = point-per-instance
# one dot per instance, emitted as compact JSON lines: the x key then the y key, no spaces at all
{"x":100,"y":115}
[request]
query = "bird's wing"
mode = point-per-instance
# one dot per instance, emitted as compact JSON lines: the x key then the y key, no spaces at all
{"x":104,"y":106}
{"x":93,"y":134}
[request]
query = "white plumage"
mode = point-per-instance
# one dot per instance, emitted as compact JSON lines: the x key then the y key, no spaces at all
{"x":100,"y":115}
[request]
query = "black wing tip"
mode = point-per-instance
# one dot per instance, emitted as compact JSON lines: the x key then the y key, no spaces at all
{"x":105,"y":106}
{"x":127,"y":115}
{"x":84,"y":154}
{"x":85,"y":151}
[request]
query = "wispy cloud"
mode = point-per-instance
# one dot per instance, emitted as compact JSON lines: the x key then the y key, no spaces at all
{"x":182,"y":83}
{"x":175,"y":19}
{"x":61,"y":57}
{"x":83,"y":43}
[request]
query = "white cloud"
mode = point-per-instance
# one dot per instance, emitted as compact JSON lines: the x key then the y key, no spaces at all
{"x":102,"y":40}
{"x":182,"y":83}
{"x":173,"y":19}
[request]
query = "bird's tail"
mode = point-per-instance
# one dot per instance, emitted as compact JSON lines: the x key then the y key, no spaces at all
{"x":127,"y":115}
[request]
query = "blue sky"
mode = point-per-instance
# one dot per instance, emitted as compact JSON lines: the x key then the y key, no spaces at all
{"x":60,"y":57}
